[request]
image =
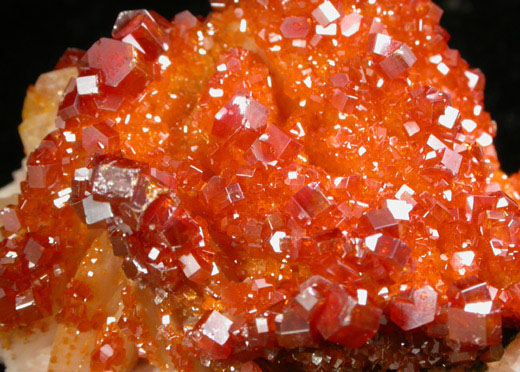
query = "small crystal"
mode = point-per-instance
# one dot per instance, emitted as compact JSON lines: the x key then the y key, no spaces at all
{"x":435,"y":143}
{"x":193,"y":269}
{"x":339,"y":80}
{"x":295,"y":27}
{"x":42,"y":176}
{"x":276,"y":241}
{"x":462,"y":259}
{"x":275,"y":145}
{"x":259,"y":284}
{"x":43,"y":165}
{"x":399,"y":209}
{"x":330,"y":30}
{"x":99,"y":138}
{"x":234,"y":193}
{"x":451,"y":160}
{"x":469,"y":125}
{"x":411,"y":128}
{"x":471,"y":292}
{"x":217,"y":194}
{"x":216,"y":328}
{"x":398,"y":62}
{"x":419,"y":310}
{"x":379,"y":44}
{"x":381,"y":219}
{"x":393,"y":250}
{"x":261,"y":325}
{"x":350,"y":24}
{"x":449,"y":117}
{"x":309,"y":301}
{"x":485,"y":140}
{"x":73,"y":104}
{"x":24,"y":300}
{"x":309,"y":202}
{"x":241,"y":112}
{"x":105,"y":353}
{"x":33,"y":252}
{"x":293,"y":331}
{"x":473,"y":79}
{"x":325,"y":13}
{"x":404,"y":190}
{"x":166,"y":178}
{"x":339,"y":100}
{"x":185,"y":19}
{"x":10,"y":219}
{"x":443,"y":68}
{"x":109,"y":102}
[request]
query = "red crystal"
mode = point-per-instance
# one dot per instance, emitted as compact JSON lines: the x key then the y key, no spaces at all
{"x":473,"y":328}
{"x":10,"y":219}
{"x":325,"y":13}
{"x":43,"y":169}
{"x":215,"y":335}
{"x":99,"y":138}
{"x":146,"y":30}
{"x":308,"y":203}
{"x":70,"y":58}
{"x":347,"y":322}
{"x":398,"y":62}
{"x":241,"y":112}
{"x":295,"y":27}
{"x":119,"y":64}
{"x":293,"y":331}
{"x":416,"y":309}
{"x":350,"y":24}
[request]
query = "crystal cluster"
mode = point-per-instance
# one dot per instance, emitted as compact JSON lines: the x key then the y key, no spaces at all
{"x":304,"y":183}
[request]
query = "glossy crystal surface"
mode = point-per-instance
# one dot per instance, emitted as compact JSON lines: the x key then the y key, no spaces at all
{"x":301,"y":182}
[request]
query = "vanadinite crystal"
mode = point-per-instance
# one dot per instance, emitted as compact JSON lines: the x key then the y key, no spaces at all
{"x":296,"y":183}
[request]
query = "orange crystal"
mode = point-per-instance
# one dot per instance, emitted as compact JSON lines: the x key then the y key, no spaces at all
{"x":295,"y":182}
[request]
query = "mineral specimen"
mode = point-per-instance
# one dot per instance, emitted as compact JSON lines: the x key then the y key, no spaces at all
{"x":286,"y":182}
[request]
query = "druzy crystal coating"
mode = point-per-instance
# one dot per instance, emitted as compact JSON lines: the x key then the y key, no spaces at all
{"x":305,"y":183}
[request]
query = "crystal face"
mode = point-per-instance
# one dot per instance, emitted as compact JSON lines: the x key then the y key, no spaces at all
{"x":119,"y":64}
{"x":310,"y":184}
{"x":415,"y":309}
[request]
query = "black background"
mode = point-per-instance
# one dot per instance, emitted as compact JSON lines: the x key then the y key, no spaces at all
{"x":32,"y":40}
{"x":485,"y":32}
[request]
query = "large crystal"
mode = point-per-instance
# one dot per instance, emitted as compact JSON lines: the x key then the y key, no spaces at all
{"x":146,"y":30}
{"x":473,"y":328}
{"x":119,"y":64}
